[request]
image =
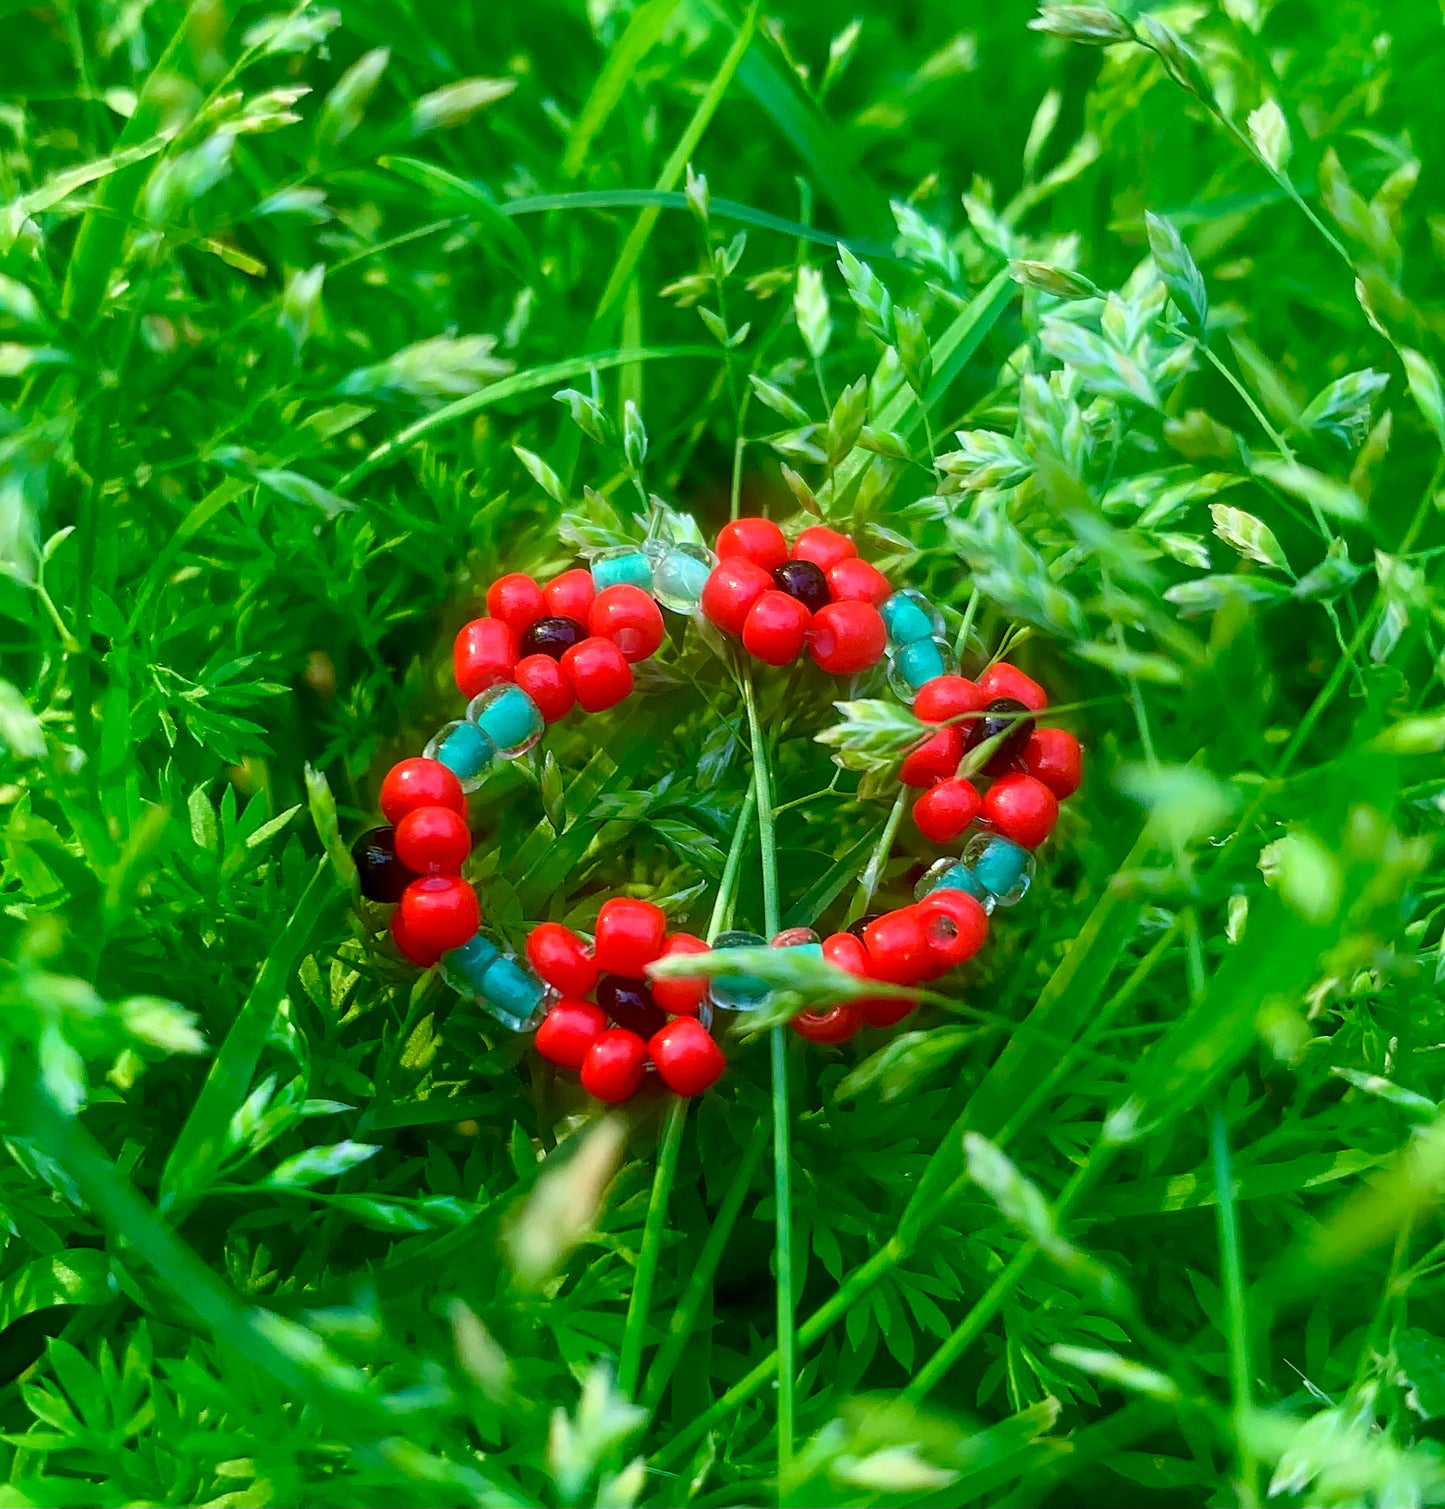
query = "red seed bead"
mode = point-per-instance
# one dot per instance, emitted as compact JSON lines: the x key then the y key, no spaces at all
{"x":947,"y":697}
{"x":846,"y":952}
{"x":946,"y":809}
{"x":407,"y":945}
{"x":836,"y":1024}
{"x":886,"y":1011}
{"x":687,"y":1058}
{"x":1005,"y":680}
{"x":614,"y":1065}
{"x":410,"y":784}
{"x":1021,"y":808}
{"x":562,"y":959}
{"x":433,"y":841}
{"x":568,"y":1030}
{"x":440,"y":912}
{"x":824,"y":547}
{"x":630,"y":618}
{"x":955,"y":925}
{"x":732,"y":587}
{"x":1053,"y":756}
{"x":570,"y":595}
{"x":757,"y":540}
{"x":599,"y":673}
{"x":855,"y":581}
{"x":680,"y":997}
{"x":776,"y":628}
{"x":848,"y":637}
{"x":897,"y":948}
{"x":517,"y":600}
{"x":546,"y":683}
{"x":629,"y":936}
{"x":936,"y":759}
{"x":485,"y":653}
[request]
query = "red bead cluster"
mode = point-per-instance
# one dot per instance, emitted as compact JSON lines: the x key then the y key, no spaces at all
{"x":758,"y":591}
{"x":427,"y":808}
{"x":1028,"y":784}
{"x":615,"y":628}
{"x":657,"y":1023}
{"x":903,"y":947}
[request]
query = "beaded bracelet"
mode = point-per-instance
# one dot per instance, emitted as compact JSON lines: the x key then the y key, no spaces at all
{"x":543,"y":650}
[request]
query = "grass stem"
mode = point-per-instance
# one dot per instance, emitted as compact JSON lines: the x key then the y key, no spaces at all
{"x":778,"y":1053}
{"x":629,"y":1366}
{"x":684,"y":1317}
{"x":1240,"y":1372}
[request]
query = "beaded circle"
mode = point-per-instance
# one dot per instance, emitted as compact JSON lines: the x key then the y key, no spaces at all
{"x":543,"y":651}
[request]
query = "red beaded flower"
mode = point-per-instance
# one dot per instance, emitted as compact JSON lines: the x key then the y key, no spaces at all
{"x":1032,"y":768}
{"x":631,"y":1023}
{"x":777,"y":600}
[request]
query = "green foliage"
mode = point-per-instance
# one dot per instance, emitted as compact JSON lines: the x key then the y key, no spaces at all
{"x":1115,"y":329}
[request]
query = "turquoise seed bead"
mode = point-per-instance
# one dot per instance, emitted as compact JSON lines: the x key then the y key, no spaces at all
{"x":949,"y":874}
{"x":465,"y":750}
{"x":959,"y":878}
{"x":907,"y":619}
{"x":1001,"y":865}
{"x":509,"y":718}
{"x":513,"y":994}
{"x":622,"y":567}
{"x":919,"y":662}
{"x":679,"y":577}
{"x":462,"y":968}
{"x":739,"y":992}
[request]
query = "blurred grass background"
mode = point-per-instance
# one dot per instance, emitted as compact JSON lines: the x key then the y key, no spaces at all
{"x":1144,"y":1212}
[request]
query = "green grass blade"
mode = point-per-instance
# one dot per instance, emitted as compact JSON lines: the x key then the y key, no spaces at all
{"x":672,"y":171}
{"x":629,"y":1365}
{"x":782,"y":1121}
{"x":518,"y":384}
{"x":699,"y":1280}
{"x":116,"y":1203}
{"x":951,"y":352}
{"x":1148,"y":1197}
{"x":1063,"y":1009}
{"x":779,"y":94}
{"x":200,"y":1143}
{"x":450,"y":189}
{"x":647,"y":25}
{"x":1241,"y":1374}
{"x":101,"y":238}
{"x":718,"y":208}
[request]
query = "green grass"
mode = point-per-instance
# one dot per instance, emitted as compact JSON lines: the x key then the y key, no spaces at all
{"x":1120,"y":335}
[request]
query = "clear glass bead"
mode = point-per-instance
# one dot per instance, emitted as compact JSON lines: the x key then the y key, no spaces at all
{"x":738,"y":992}
{"x":465,"y":750}
{"x":513,"y":994}
{"x":911,"y":665}
{"x":504,"y":986}
{"x":622,"y":565}
{"x":949,"y":874}
{"x":1004,"y":868}
{"x":462,"y":968}
{"x":909,"y":616}
{"x":680,"y":574}
{"x":508,"y":717}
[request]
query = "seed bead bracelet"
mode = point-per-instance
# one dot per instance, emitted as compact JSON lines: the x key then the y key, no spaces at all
{"x":543,"y":650}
